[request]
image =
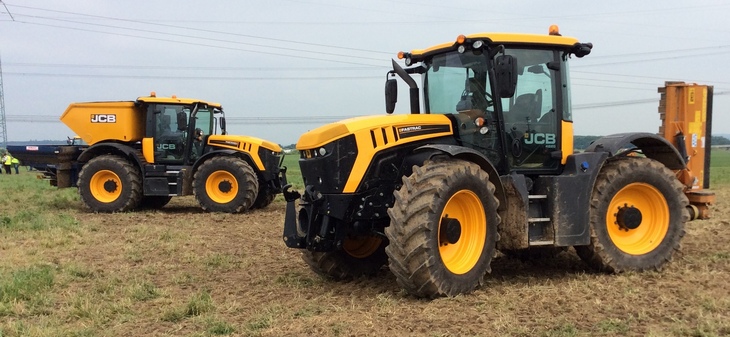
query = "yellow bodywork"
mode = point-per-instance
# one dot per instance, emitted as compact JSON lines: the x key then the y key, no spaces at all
{"x":566,"y":140}
{"x":98,"y":121}
{"x":508,"y":38}
{"x":245,"y":144}
{"x":117,"y":121}
{"x":175,"y":100}
{"x":374,"y":134}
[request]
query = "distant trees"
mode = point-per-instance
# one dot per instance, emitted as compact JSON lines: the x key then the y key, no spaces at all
{"x":582,"y":142}
{"x":720,"y":140}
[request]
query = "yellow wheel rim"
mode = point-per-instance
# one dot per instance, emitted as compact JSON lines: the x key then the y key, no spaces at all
{"x":362,"y":247}
{"x":222,"y":187}
{"x":105,"y":186}
{"x":461,"y":256}
{"x":654,"y":219}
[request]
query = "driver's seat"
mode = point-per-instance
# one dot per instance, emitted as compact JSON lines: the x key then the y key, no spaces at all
{"x":473,"y":96}
{"x":522,"y":109}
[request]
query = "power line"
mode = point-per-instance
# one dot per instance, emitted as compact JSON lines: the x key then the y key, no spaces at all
{"x":639,"y":76}
{"x":178,"y":77}
{"x":200,"y":44}
{"x":650,"y":59}
{"x":7,"y":10}
{"x":168,"y":67}
{"x":203,"y":38}
{"x":196,"y":29}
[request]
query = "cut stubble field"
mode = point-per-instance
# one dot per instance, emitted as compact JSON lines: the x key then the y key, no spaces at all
{"x":182,"y":272}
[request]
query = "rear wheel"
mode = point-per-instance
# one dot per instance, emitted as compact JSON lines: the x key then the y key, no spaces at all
{"x":110,"y":183}
{"x":443,"y":228}
{"x":637,"y":216}
{"x":225,"y":184}
{"x":360,"y":256}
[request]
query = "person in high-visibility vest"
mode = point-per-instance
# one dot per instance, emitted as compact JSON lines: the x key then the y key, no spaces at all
{"x":16,"y":163}
{"x":7,"y":162}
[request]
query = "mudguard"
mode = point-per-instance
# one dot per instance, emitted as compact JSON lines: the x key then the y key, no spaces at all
{"x":652,"y":145}
{"x":106,"y":147}
{"x":473,"y":156}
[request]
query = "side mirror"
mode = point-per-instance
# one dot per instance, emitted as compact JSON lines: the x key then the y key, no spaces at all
{"x":391,"y":95}
{"x":506,"y":69}
{"x":582,"y":49}
{"x":223,"y":126}
{"x":182,"y":121}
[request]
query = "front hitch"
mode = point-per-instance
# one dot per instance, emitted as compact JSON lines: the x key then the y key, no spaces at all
{"x":290,"y":196}
{"x":291,"y":237}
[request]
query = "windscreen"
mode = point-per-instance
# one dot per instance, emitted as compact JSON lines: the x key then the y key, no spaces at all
{"x":456,"y":82}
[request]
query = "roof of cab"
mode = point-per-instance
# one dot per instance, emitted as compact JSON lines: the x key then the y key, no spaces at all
{"x":506,"y":38}
{"x":175,"y":100}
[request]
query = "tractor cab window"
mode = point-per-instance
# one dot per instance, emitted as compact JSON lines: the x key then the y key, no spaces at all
{"x":204,"y":121}
{"x":530,"y":117}
{"x":458,"y":84}
{"x":204,"y":126}
{"x":170,"y":133}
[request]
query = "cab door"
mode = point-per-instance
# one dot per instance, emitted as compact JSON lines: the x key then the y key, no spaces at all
{"x":532,"y":115}
{"x":169,"y":133}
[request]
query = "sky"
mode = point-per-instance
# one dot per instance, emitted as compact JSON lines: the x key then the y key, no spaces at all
{"x":283,"y":67}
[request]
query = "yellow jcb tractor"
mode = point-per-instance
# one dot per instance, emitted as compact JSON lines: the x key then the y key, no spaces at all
{"x":142,"y":153}
{"x":490,"y":165}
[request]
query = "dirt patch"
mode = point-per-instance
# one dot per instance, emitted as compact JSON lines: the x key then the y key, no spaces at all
{"x":181,"y":271}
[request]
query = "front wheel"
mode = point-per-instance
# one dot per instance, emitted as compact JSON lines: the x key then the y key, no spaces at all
{"x":264,"y":198}
{"x":637,"y":216}
{"x":443,"y":228}
{"x":225,"y":184}
{"x":359,"y":256}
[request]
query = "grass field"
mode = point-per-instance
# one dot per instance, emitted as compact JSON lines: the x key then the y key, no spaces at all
{"x":182,"y":272}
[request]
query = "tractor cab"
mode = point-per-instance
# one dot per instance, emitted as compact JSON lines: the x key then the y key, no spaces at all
{"x":507,"y":95}
{"x":177,"y":128}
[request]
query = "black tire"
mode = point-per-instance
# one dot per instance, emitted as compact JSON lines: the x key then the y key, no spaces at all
{"x":426,"y":261}
{"x":264,"y":198}
{"x":363,"y":256}
{"x":534,"y":253}
{"x":225,"y":184}
{"x":154,"y":201}
{"x":637,"y":216}
{"x":110,"y":183}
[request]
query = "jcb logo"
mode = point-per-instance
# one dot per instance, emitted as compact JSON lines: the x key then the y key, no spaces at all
{"x":103,"y":118}
{"x":165,"y":146}
{"x":540,"y":138}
